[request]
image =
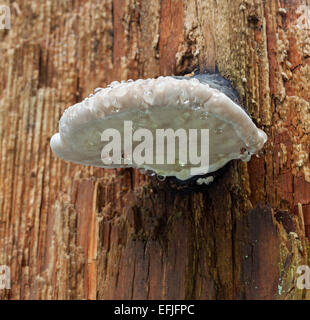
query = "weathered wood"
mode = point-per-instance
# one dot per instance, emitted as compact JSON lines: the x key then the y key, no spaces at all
{"x":69,"y":231}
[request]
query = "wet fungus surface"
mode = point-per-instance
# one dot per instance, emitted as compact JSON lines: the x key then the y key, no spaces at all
{"x":204,"y":101}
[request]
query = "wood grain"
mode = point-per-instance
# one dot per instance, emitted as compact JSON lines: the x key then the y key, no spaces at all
{"x":74,"y":232}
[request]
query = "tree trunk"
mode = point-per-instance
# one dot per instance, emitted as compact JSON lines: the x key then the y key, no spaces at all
{"x":71,"y":232}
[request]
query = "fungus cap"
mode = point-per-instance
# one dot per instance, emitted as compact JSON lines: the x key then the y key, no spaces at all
{"x":165,"y":102}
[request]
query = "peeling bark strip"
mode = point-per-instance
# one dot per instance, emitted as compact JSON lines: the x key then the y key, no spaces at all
{"x":171,"y":34}
{"x":70,"y":232}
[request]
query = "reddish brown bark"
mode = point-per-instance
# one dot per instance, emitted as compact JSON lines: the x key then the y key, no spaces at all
{"x":69,"y":231}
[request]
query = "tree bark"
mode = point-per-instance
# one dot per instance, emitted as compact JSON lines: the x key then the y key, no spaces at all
{"x":75,"y":232}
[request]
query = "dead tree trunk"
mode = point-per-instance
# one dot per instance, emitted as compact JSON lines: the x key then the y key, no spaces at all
{"x":68,"y":231}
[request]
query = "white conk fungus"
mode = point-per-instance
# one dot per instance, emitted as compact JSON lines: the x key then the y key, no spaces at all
{"x":162,"y":103}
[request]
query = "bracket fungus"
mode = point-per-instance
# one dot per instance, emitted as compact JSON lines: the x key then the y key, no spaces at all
{"x":204,"y":101}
